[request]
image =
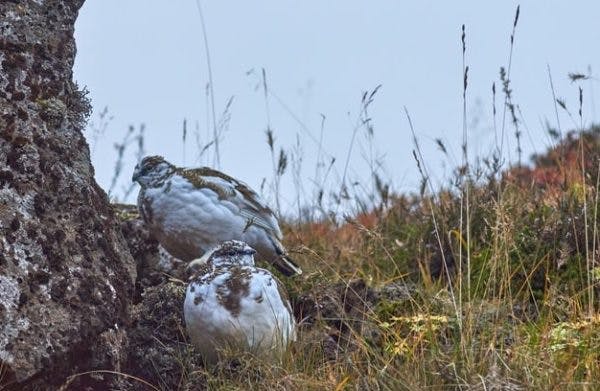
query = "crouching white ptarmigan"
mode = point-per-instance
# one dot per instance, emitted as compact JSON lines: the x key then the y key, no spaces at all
{"x":191,"y":211}
{"x":231,"y":304}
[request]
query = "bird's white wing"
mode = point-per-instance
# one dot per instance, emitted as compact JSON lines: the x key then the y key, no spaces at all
{"x":250,"y":205}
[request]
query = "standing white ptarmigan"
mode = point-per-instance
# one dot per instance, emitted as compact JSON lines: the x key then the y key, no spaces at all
{"x":191,"y":211}
{"x":231,"y":304}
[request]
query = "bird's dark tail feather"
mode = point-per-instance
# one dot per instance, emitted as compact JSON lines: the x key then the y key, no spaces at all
{"x":287,"y":266}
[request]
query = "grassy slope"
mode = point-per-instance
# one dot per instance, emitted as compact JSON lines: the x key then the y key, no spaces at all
{"x":520,"y":310}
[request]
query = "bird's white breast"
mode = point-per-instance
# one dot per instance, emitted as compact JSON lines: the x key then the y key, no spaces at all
{"x":241,"y":307}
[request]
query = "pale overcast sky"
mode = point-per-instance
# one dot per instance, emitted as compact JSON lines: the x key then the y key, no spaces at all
{"x":145,"y":60}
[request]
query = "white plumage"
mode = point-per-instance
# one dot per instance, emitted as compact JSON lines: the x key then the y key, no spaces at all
{"x":230,"y":303}
{"x":191,"y":211}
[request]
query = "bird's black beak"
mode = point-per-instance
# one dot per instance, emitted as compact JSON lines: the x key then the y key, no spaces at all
{"x":136,"y":174}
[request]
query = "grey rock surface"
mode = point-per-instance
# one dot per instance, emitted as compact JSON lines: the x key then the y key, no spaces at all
{"x":66,"y":274}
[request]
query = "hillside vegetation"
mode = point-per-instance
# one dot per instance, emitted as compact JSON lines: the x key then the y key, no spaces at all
{"x":495,"y":291}
{"x":492,"y":284}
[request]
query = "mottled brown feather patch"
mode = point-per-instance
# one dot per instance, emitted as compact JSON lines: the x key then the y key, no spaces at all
{"x":235,"y":287}
{"x":195,"y":177}
{"x":145,"y":207}
{"x":153,"y":161}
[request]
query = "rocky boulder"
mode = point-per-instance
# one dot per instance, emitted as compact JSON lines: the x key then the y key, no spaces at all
{"x":66,"y":275}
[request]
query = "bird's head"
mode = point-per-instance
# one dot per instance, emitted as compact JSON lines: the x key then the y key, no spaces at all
{"x":232,"y":252}
{"x":152,"y":170}
{"x":229,"y":253}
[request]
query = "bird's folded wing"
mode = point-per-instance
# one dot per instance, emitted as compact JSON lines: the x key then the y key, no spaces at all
{"x":249,"y":203}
